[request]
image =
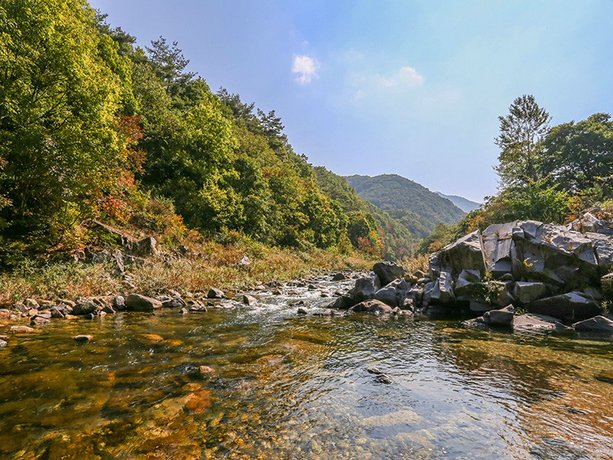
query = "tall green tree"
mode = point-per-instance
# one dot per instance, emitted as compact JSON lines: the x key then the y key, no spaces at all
{"x":61,"y":90}
{"x":579,"y":156}
{"x":520,"y":140}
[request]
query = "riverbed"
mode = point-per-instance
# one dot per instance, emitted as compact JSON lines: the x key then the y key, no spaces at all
{"x":265,"y":382}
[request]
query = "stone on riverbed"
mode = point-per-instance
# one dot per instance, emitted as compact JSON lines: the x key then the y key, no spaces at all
{"x":82,"y":338}
{"x":388,"y":272}
{"x":567,"y":306}
{"x":595,"y":324}
{"x":502,"y":317}
{"x":249,"y":299}
{"x":364,"y":289}
{"x":538,"y":323}
{"x":3,"y":343}
{"x":21,"y":330}
{"x":215,"y":293}
{"x":375,"y":307}
{"x":138,"y":302}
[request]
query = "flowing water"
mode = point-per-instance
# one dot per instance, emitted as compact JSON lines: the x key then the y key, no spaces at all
{"x":289,"y":386}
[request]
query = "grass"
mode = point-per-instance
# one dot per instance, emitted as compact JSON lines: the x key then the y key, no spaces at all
{"x":208,"y":265}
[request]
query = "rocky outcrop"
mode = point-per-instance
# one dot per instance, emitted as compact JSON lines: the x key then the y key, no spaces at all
{"x":138,"y":302}
{"x":388,"y":272}
{"x":548,"y":269}
{"x":595,"y":324}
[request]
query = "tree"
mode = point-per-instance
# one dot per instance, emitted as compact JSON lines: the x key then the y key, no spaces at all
{"x":60,"y":97}
{"x":579,"y":156}
{"x":521,"y":135}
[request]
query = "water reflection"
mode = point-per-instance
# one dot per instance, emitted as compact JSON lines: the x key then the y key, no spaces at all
{"x":293,"y":387}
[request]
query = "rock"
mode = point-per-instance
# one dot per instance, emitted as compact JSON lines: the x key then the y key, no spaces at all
{"x":21,"y":330}
{"x":462,"y":254}
{"x":538,"y":323}
{"x":206,"y":371}
{"x":249,"y":299}
{"x":174,"y":302}
{"x":215,"y":293}
{"x":502,"y":317}
{"x":590,"y":223}
{"x":145,"y":247}
{"x":442,"y":292}
{"x":372,"y":307}
{"x":196,"y":306}
{"x":3,"y":343}
{"x":595,"y":324}
{"x":339,"y":277}
{"x":607,"y":286}
{"x":364,"y":289}
{"x":497,"y":248}
{"x":82,"y":338}
{"x":31,"y":303}
{"x":302,"y":311}
{"x":39,"y":321}
{"x":566,"y":306}
{"x":244,"y":262}
{"x":138,"y":302}
{"x":529,"y":291}
{"x":388,"y":272}
{"x":342,"y":303}
{"x":85,"y":308}
{"x":119,"y":303}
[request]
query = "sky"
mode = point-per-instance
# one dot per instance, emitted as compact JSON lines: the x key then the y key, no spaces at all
{"x":405,"y":87}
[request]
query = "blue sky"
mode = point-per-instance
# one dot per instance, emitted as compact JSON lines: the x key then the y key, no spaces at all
{"x":406,"y":87}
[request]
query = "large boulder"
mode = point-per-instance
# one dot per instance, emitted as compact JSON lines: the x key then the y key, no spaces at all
{"x":498,"y":247}
{"x":374,"y":307}
{"x":526,"y":292}
{"x":138,"y":302}
{"x":595,"y":324}
{"x":569,"y":306}
{"x":463,"y":254}
{"x":388,"y":272}
{"x":500,"y":318}
{"x":592,"y":224}
{"x":538,"y":323}
{"x":394,"y":293}
{"x":365,"y":289}
{"x":603,"y":247}
{"x":442,"y":290}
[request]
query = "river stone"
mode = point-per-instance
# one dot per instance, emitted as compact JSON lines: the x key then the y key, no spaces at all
{"x":529,"y":291}
{"x":249,"y":299}
{"x":538,"y":323}
{"x":371,"y":306}
{"x":85,"y":308}
{"x":388,"y":272}
{"x":21,"y":330}
{"x":365,"y":289}
{"x":497,"y":248}
{"x":462,"y":254}
{"x":566,"y":306}
{"x":595,"y":324}
{"x":339,"y":277}
{"x":138,"y":302}
{"x":502,"y":317}
{"x":442,"y":291}
{"x":3,"y":343}
{"x":394,"y":293}
{"x":82,"y":338}
{"x":215,"y":293}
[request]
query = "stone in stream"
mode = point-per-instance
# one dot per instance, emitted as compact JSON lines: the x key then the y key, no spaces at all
{"x":339,"y":277}
{"x":85,"y":308}
{"x":82,"y":338}
{"x":215,"y":293}
{"x":388,"y":272}
{"x":31,"y":303}
{"x":371,"y":306}
{"x":39,"y":320}
{"x":3,"y":343}
{"x":21,"y":330}
{"x":380,"y":376}
{"x":571,"y":305}
{"x":538,"y":323}
{"x":119,"y":303}
{"x":595,"y":324}
{"x":364,"y":289}
{"x":249,"y":299}
{"x":302,"y":311}
{"x":138,"y":302}
{"x":502,"y":317}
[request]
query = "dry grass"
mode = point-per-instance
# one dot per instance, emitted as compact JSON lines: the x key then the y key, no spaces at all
{"x":211,"y":265}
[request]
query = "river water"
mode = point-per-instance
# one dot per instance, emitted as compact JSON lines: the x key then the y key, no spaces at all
{"x":290,"y":386}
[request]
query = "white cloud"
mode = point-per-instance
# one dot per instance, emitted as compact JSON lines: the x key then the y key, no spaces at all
{"x":406,"y":76}
{"x":305,"y":69}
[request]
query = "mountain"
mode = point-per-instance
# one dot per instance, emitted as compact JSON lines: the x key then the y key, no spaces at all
{"x":397,"y":241}
{"x":461,"y":202}
{"x":417,"y":208}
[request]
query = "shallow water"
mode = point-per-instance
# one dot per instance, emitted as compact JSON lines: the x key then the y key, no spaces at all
{"x":287,"y":386}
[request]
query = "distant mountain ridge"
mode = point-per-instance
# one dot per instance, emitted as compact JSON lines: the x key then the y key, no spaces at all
{"x":418,"y":209}
{"x":464,"y":204}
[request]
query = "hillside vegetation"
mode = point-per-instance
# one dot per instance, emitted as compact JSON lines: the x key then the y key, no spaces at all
{"x":95,"y":128}
{"x":418,"y":209}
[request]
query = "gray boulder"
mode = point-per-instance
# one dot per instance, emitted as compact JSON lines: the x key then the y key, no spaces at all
{"x":463,"y":254}
{"x":372,"y":306}
{"x":566,"y":306}
{"x":85,"y":308}
{"x":364,"y":289}
{"x":538,"y":323}
{"x":215,"y":293}
{"x":3,"y":343}
{"x":394,"y":293}
{"x":501,"y":318}
{"x":498,"y":247}
{"x":595,"y":324}
{"x":589,"y":223}
{"x":388,"y":272}
{"x":529,"y":291}
{"x":138,"y":302}
{"x":442,"y":291}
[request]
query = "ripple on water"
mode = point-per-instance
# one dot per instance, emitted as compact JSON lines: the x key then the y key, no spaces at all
{"x":287,"y":386}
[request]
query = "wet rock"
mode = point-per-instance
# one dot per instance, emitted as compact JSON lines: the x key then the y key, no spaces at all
{"x":138,"y":302}
{"x":388,"y":272}
{"x":82,"y":338}
{"x":21,"y":330}
{"x":249,"y":299}
{"x":302,"y":311}
{"x":85,"y":308}
{"x":538,"y":323}
{"x":118,"y":303}
{"x":442,"y":290}
{"x":344,"y":302}
{"x":595,"y":324}
{"x":215,"y":293}
{"x":174,"y":302}
{"x":380,"y":376}
{"x":3,"y":344}
{"x":566,"y":306}
{"x":529,"y":291}
{"x":59,"y":312}
{"x":31,"y":303}
{"x":500,"y":318}
{"x":372,"y":307}
{"x":39,"y":321}
{"x":277,"y":292}
{"x":364,"y":289}
{"x":196,"y":306}
{"x":4,"y":313}
{"x":206,"y":371}
{"x":339,"y":277}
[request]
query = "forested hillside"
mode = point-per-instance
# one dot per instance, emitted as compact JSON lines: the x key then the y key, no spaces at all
{"x":410,"y":203}
{"x":94,"y":127}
